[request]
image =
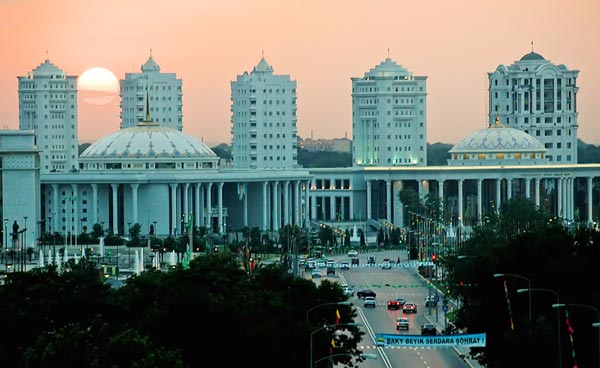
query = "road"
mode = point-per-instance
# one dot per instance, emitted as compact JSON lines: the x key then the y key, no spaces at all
{"x":390,"y":284}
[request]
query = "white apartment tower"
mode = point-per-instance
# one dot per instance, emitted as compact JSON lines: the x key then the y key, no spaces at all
{"x":48,"y":107}
{"x":263,"y":120}
{"x":389,"y":117}
{"x":539,"y":98}
{"x":162,"y":89}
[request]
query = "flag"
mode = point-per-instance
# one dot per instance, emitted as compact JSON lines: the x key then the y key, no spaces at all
{"x":510,"y":319}
{"x":571,"y":333}
{"x":187,"y":258}
{"x":337,"y":317}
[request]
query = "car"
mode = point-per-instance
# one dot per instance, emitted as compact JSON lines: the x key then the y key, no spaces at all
{"x":428,"y":329}
{"x":370,"y":302}
{"x":344,"y":265}
{"x":366,"y":293}
{"x":371,"y":261}
{"x":402,"y":323}
{"x":330,"y":263}
{"x":321,"y":263}
{"x":396,"y":303}
{"x":355,"y":262}
{"x":386,"y":264}
{"x":348,"y":290}
{"x":353,"y":253}
{"x":431,"y":301}
{"x":330,"y":270}
{"x":315,"y":274}
{"x":409,"y":308}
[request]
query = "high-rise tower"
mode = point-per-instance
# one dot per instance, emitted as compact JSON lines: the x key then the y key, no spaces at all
{"x":539,"y":98}
{"x":163,"y":90}
{"x":389,"y":117}
{"x":263,"y":107}
{"x":48,"y":106}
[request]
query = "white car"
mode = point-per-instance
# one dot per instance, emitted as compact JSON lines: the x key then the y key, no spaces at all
{"x":348,"y":290}
{"x":315,"y":274}
{"x":402,"y":323}
{"x":353,"y":253}
{"x":370,"y":302}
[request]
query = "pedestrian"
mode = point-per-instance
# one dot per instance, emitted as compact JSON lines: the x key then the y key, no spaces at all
{"x":398,"y":261}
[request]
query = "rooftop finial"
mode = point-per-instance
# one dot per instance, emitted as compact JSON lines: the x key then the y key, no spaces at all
{"x":531,"y":46}
{"x":388,"y":52}
{"x":47,"y":55}
{"x":150,"y":52}
{"x":263,"y":53}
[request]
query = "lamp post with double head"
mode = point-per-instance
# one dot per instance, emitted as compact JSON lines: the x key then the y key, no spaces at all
{"x":559,"y":305}
{"x":528,"y":287}
{"x":520,"y":291}
{"x":321,"y":329}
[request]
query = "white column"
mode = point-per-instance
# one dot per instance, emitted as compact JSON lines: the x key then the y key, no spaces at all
{"x":264,"y":206}
{"x":537,"y":192}
{"x":245,"y":204}
{"x":286,"y":202}
{"x":173,"y":208}
{"x":441,"y":190}
{"x":297,"y":206}
{"x":94,"y":203}
{"x":209,"y":207}
{"x":197,"y":204}
{"x":134,"y":199}
{"x":351,"y":204}
{"x":115,"y":203}
{"x":528,"y":188}
{"x":275,"y":196}
{"x":332,"y":208}
{"x":560,"y":197}
{"x":368,"y":200}
{"x":388,"y":199}
{"x":306,"y":203}
{"x":479,"y":199}
{"x":420,"y":188}
{"x":75,"y":199}
{"x":220,"y":201}
{"x":460,"y":201}
{"x":54,"y":208}
{"x":201,"y":211}
{"x":498,"y":194}
{"x":590,"y":220}
{"x":186,"y":208}
{"x":509,"y":188}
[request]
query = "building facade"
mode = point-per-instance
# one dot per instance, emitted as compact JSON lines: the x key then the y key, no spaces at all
{"x":48,"y":107}
{"x":264,"y":132}
{"x":163,"y":90}
{"x":389,"y":117}
{"x":540,"y":98}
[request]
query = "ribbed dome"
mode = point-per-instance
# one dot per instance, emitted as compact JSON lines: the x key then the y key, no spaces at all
{"x":148,"y":140}
{"x":498,"y":139}
{"x":532,"y":56}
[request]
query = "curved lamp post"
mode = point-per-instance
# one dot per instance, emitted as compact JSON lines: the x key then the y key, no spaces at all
{"x":322,"y":328}
{"x":528,"y":287}
{"x":558,"y":305}
{"x":324,"y":304}
{"x":364,"y":355}
{"x":520,"y":291}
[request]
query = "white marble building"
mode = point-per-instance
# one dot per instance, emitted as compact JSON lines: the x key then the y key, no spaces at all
{"x":163,"y":90}
{"x":540,"y":98}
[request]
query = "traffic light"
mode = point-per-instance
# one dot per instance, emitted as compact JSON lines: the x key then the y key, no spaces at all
{"x":433,"y":257}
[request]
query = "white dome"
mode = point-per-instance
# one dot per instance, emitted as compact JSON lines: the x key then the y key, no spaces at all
{"x":148,"y":140}
{"x":498,"y":139}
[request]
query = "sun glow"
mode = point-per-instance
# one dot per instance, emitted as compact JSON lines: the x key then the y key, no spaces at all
{"x":98,"y":86}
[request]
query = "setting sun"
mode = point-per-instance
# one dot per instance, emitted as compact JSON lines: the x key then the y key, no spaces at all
{"x":98,"y":86}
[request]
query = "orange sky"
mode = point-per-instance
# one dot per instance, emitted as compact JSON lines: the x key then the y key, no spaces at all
{"x":320,"y":43}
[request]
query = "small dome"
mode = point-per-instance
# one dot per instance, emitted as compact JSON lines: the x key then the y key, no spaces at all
{"x":47,"y":69}
{"x":148,"y":140}
{"x":263,"y":67}
{"x":532,"y":56}
{"x":498,"y":138}
{"x":388,"y":68}
{"x":150,"y":65}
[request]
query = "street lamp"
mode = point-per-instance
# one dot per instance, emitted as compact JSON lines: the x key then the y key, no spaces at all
{"x":322,"y":328}
{"x":324,"y":304}
{"x":364,"y":355}
{"x":528,"y":287}
{"x":520,"y":291}
{"x":597,"y":324}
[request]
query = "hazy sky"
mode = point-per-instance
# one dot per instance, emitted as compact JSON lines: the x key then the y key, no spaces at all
{"x":320,"y":43}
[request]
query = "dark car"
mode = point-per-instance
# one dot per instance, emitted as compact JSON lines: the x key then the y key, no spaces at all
{"x":409,"y":308}
{"x":396,"y":303}
{"x":330,"y":270}
{"x":428,"y":329}
{"x":365,"y":293}
{"x":371,"y":261}
{"x":355,"y":261}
